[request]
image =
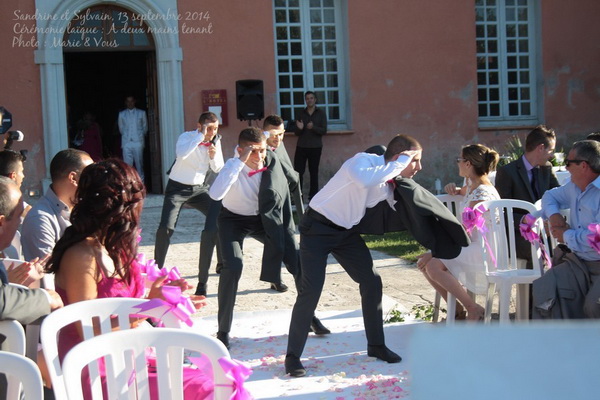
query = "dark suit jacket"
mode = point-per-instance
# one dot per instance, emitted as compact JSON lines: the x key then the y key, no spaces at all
{"x":275,"y":210}
{"x":293,"y":179}
{"x":420,"y":213}
{"x":512,"y":181}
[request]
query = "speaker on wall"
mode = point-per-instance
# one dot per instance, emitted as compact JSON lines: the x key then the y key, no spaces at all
{"x":249,"y":99}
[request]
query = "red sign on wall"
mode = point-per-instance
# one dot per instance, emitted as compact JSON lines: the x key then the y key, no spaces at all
{"x":215,"y":100}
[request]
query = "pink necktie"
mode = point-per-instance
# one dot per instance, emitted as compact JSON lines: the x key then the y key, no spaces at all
{"x":257,"y":171}
{"x":204,"y":144}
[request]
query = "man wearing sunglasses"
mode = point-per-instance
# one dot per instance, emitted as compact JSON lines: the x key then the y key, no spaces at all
{"x":582,"y":197}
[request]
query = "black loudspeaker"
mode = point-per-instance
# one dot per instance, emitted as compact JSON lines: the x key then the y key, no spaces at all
{"x":249,"y":99}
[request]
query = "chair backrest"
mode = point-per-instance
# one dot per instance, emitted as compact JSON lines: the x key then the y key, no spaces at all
{"x":32,"y":334}
{"x":500,"y":221}
{"x":124,"y":355}
{"x":452,"y":202}
{"x":14,"y":337}
{"x":536,"y":361}
{"x":107,"y":312}
{"x":20,"y":370}
{"x":565,"y":213}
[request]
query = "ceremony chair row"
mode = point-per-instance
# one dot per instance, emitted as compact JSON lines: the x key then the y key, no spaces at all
{"x":123,"y":351}
{"x":508,"y":270}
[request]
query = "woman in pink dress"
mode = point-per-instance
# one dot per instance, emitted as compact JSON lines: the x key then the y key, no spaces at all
{"x":474,"y":164}
{"x":95,"y":258}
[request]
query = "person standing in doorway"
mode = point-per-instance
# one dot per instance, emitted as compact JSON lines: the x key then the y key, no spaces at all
{"x":133,"y":126}
{"x":91,"y":135}
{"x":310,"y":127}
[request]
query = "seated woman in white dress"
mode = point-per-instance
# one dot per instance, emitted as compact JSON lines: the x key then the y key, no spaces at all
{"x":466,"y":270}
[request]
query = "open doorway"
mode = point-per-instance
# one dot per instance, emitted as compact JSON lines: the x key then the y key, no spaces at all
{"x":98,"y":83}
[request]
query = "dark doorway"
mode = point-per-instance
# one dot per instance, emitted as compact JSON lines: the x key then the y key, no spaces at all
{"x":98,"y":82}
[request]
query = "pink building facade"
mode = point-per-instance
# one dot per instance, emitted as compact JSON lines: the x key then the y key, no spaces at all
{"x":448,"y":73}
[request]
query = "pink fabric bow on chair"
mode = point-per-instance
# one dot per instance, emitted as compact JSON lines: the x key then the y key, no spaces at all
{"x":594,"y":237}
{"x":473,"y":219}
{"x":175,"y":302}
{"x":238,"y":372}
{"x":529,"y":234}
{"x":150,"y":268}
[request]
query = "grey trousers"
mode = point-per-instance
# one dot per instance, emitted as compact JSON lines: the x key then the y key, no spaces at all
{"x":591,"y":306}
{"x":176,"y":195}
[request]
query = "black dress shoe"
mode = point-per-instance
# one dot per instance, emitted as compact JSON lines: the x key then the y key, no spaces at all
{"x":294,"y":367}
{"x":224,"y":338}
{"x":201,"y":289}
{"x":219,"y":268}
{"x":317,"y":327}
{"x":280,"y":287}
{"x":383,"y":353}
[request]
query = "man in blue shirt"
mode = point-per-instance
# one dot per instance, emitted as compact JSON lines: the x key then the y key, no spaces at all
{"x":582,"y":197}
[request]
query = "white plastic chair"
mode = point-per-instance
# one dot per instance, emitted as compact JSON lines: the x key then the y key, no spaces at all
{"x":565,"y":213}
{"x":32,"y":333}
{"x":452,"y":202}
{"x":107,"y":312}
{"x":21,"y":371}
{"x":14,"y":342}
{"x":14,"y":337}
{"x":509,"y":269}
{"x":124,"y":355}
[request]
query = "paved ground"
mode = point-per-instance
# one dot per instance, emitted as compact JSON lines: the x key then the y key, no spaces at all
{"x":403,"y":284}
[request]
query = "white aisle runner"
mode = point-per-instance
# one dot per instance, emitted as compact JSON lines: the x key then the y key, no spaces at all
{"x":337,"y":364}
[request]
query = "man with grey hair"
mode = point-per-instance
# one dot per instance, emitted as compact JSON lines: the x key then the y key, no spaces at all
{"x":16,"y":303}
{"x":582,"y":197}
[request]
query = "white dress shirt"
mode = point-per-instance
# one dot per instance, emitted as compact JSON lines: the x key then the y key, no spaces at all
{"x":133,"y":126}
{"x":236,"y":188}
{"x":192,"y":161}
{"x":360,"y":183}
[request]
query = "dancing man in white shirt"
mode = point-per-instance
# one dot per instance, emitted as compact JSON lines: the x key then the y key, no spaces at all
{"x":133,"y":126}
{"x":328,"y":227}
{"x":197,"y":152}
{"x":256,"y":203}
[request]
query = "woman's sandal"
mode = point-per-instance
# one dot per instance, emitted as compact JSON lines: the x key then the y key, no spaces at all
{"x":460,"y":315}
